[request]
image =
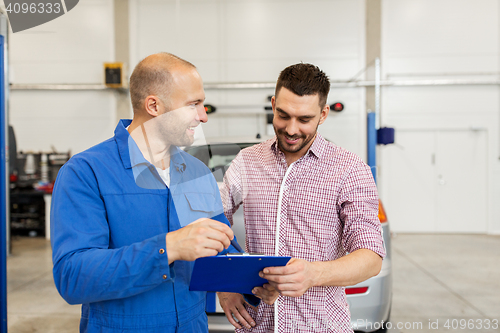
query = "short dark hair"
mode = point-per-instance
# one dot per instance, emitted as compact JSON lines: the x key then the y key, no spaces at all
{"x":304,"y":79}
{"x":152,"y":76}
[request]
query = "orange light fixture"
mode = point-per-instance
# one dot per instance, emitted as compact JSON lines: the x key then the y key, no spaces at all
{"x":381,"y":213}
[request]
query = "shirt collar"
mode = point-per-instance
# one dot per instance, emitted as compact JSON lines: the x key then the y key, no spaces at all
{"x":132,"y":156}
{"x":177,"y":160}
{"x":318,"y":146}
{"x":122,"y":140}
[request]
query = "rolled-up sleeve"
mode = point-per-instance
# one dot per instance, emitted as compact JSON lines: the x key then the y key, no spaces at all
{"x":358,"y":203}
{"x":231,"y":189}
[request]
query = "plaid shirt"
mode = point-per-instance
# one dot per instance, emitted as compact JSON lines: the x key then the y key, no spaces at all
{"x":321,"y":207}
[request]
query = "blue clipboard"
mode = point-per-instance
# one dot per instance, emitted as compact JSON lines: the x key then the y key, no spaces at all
{"x":237,"y":273}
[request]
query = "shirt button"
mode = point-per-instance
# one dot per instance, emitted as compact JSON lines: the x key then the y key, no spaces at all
{"x":164,"y":276}
{"x":162,"y":251}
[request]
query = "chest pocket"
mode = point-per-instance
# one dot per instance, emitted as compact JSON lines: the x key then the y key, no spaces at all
{"x":193,"y":206}
{"x":201,"y":202}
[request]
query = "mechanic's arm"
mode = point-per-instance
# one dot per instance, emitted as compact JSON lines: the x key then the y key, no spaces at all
{"x":87,"y":270}
{"x":202,"y":238}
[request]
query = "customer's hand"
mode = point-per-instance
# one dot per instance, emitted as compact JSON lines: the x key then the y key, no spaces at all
{"x":202,"y":238}
{"x":234,"y":308}
{"x":294,"y":279}
{"x":267,"y":293}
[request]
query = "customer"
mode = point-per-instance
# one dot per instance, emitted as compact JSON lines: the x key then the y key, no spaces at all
{"x":131,"y":214}
{"x":306,"y":198}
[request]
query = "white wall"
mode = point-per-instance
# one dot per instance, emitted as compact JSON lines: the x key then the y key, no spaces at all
{"x":68,"y":50}
{"x":445,"y":39}
{"x":227,"y":40}
{"x":245,"y":41}
{"x":252,"y":41}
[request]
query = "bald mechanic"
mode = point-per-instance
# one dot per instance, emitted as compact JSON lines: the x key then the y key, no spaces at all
{"x":130,"y":214}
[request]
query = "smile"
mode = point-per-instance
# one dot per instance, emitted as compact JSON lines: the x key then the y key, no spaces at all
{"x":291,"y":140}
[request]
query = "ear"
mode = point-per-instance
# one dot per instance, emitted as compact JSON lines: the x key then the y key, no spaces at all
{"x":324,"y":114}
{"x":273,"y":103}
{"x":152,"y":105}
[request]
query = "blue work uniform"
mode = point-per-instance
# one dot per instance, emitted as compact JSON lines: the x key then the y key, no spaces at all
{"x":109,"y":219}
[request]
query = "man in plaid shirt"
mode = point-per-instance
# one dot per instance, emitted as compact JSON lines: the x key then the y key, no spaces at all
{"x":307,"y":198}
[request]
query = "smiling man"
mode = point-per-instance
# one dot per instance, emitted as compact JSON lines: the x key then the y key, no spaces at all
{"x":309,"y":199}
{"x":131,"y":214}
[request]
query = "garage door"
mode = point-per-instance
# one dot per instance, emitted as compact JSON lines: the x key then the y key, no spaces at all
{"x":435,"y":181}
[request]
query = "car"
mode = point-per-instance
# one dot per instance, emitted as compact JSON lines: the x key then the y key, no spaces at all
{"x":369,"y":301}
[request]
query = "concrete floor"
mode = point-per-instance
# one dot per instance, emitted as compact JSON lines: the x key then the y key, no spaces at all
{"x":437,"y":279}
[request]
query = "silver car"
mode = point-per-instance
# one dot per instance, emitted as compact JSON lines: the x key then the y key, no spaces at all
{"x":369,"y":301}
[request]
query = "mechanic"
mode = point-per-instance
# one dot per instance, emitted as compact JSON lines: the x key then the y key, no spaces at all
{"x":306,"y":198}
{"x":123,"y":240}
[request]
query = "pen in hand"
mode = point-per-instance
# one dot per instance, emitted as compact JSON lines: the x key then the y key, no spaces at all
{"x":237,"y":246}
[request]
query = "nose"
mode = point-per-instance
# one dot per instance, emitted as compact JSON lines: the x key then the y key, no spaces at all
{"x":292,"y":128}
{"x":201,"y":114}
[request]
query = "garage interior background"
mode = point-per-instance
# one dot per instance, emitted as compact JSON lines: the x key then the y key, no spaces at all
{"x":447,"y":150}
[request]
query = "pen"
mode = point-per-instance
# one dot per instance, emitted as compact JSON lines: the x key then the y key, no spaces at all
{"x":236,"y":245}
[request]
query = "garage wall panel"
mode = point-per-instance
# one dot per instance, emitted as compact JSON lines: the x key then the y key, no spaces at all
{"x":64,"y":120}
{"x":457,"y":105}
{"x":68,"y":50}
{"x":280,"y":33}
{"x":342,"y":127}
{"x":189,"y":29}
{"x":436,"y":181}
{"x":438,"y":37}
{"x":462,"y":181}
{"x":408,"y":177}
{"x":446,"y":39}
{"x":280,"y":26}
{"x":252,"y":41}
{"x":494,"y":220}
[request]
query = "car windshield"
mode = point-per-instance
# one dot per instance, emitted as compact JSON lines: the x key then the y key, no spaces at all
{"x":217,"y":156}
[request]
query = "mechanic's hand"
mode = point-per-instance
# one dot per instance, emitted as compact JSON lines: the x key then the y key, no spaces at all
{"x":234,"y":305}
{"x":202,"y":238}
{"x":294,"y":279}
{"x":267,"y":293}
